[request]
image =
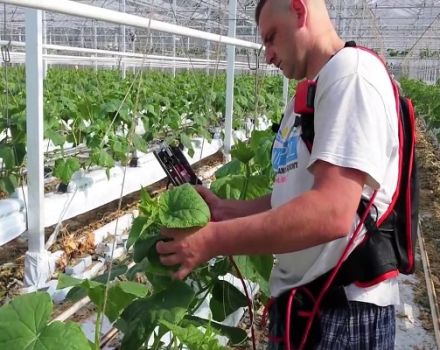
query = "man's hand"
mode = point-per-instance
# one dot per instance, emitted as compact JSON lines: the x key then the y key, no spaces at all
{"x":214,"y":202}
{"x":188,"y":248}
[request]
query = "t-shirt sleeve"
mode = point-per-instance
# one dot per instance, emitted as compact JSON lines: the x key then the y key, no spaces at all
{"x":352,"y":128}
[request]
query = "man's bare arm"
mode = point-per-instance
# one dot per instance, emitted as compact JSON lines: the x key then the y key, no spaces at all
{"x":223,"y":209}
{"x":320,"y":215}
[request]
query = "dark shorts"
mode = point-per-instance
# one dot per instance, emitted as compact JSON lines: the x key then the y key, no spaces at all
{"x":354,"y":326}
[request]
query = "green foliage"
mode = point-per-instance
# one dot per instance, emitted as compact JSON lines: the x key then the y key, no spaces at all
{"x":183,"y":208}
{"x":166,"y":303}
{"x":141,"y":317}
{"x":120,"y":293}
{"x":225,"y":300}
{"x":64,"y":168}
{"x":193,"y":337}
{"x":426,"y":102}
{"x":249,"y":175}
{"x":24,"y":324}
{"x":100,"y":110}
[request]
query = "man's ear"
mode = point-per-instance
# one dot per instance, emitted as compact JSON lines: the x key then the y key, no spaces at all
{"x":300,"y":9}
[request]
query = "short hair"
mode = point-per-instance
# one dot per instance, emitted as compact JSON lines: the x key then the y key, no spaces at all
{"x":258,"y":9}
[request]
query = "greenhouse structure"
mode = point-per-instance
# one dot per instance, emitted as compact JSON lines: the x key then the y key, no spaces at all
{"x":110,"y":109}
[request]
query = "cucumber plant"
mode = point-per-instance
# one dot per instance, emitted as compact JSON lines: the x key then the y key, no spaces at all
{"x":98,"y":110}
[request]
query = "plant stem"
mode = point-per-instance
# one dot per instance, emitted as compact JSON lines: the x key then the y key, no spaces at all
{"x":98,"y":330}
{"x":156,"y":343}
{"x":246,"y":181}
{"x":208,"y":290}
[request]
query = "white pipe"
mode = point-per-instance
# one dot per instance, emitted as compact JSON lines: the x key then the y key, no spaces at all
{"x":117,"y":53}
{"x":34,"y":122}
{"x":75,"y":8}
{"x":156,"y":60}
{"x":230,"y":54}
{"x":112,"y":53}
{"x":208,"y":43}
{"x":95,"y":43}
{"x":123,"y":43}
{"x":72,"y":310}
{"x":174,"y":39}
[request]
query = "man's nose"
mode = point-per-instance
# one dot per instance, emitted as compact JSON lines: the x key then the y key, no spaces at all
{"x":269,"y":56}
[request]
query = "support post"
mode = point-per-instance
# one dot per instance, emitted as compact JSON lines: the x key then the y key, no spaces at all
{"x":44,"y":42}
{"x":230,"y":57}
{"x":37,"y":262}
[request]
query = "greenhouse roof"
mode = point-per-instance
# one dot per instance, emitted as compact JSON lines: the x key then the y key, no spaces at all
{"x":403,"y":28}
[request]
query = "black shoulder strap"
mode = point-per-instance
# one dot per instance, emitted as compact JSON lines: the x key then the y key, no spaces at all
{"x":308,"y":120}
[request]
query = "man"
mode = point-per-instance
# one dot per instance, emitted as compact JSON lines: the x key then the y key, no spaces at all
{"x":310,"y":215}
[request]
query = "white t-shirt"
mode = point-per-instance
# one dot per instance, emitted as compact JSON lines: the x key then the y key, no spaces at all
{"x":356,"y":127}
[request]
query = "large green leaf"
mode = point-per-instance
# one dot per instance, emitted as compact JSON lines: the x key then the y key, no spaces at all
{"x":65,"y":168}
{"x":183,"y":207}
{"x":231,"y":187}
{"x":236,"y":335}
{"x":143,"y":246}
{"x":24,"y":325}
{"x":226,"y":299}
{"x":263,"y":264}
{"x":140,"y":224}
{"x":228,"y":187}
{"x":102,"y":158}
{"x":234,"y":167}
{"x":78,"y":292}
{"x":141,"y":317}
{"x":256,"y":269}
{"x":56,"y":137}
{"x":8,"y":156}
{"x":221,"y":266}
{"x":65,"y":281}
{"x":258,"y":186}
{"x":242,"y":152}
{"x":121,"y":295}
{"x":8,"y":183}
{"x":193,"y":337}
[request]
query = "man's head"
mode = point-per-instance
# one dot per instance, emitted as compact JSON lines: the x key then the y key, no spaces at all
{"x":297,"y":34}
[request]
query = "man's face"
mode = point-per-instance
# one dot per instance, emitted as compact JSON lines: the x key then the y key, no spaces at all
{"x":280,"y":33}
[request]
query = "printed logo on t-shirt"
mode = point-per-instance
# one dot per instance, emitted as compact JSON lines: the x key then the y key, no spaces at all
{"x":285,"y":154}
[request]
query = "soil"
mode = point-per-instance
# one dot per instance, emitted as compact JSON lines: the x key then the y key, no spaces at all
{"x":428,"y":157}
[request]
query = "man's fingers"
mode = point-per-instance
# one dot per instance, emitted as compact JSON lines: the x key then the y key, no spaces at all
{"x":176,"y":232}
{"x":166,"y":247}
{"x":168,"y":232}
{"x":170,"y":260}
{"x":182,"y":273}
{"x":204,"y":192}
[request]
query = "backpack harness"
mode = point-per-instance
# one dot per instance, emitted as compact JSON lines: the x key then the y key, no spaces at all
{"x":389,"y":244}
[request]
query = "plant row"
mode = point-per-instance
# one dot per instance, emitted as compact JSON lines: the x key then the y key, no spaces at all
{"x":113,"y":117}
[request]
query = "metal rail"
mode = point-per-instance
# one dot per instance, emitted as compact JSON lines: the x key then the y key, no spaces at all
{"x":74,"y":8}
